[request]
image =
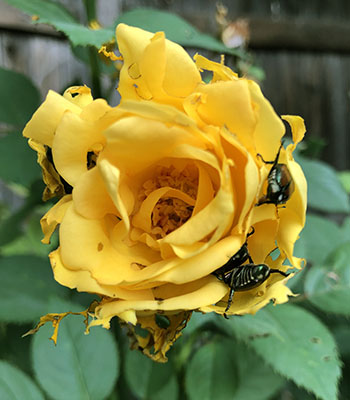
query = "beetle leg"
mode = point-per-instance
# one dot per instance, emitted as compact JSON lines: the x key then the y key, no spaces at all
{"x":229,"y":302}
{"x":278,"y":271}
{"x":264,"y":161}
{"x":264,"y":200}
{"x":251,"y":232}
{"x":275,"y":161}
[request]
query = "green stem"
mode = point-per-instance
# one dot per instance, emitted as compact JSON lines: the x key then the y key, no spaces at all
{"x":90,"y":8}
{"x":95,"y":72}
{"x":298,"y":299}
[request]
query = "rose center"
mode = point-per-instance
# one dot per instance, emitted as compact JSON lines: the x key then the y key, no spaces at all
{"x":170,"y":213}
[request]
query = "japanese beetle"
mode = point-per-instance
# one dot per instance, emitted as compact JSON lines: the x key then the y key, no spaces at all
{"x":246,"y":277}
{"x":239,"y":276}
{"x":280,"y":182}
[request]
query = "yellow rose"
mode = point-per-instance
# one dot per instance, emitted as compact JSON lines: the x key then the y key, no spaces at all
{"x":165,"y":189}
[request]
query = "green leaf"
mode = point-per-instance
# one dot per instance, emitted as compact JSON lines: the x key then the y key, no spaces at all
{"x":345,"y":228}
{"x":19,"y":98}
{"x":325,"y":192}
{"x":175,"y":29}
{"x":14,"y":349}
{"x":54,"y":14}
{"x":13,"y":225}
{"x":318,"y":239}
{"x":150,"y":380}
{"x":26,"y":283}
{"x":29,"y":242}
{"x":342,"y":334}
{"x":295,"y":344}
{"x":344,"y":178}
{"x":16,"y":385}
{"x":199,"y":321}
{"x":328,"y":287}
{"x":227,"y":370}
{"x":81,"y":35}
{"x":80,"y":366}
{"x":17,"y":160}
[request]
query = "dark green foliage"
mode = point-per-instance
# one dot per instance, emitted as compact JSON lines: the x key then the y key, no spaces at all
{"x":225,"y":368}
{"x":26,"y":285}
{"x":19,"y":98}
{"x":149,"y":380}
{"x":15,"y":384}
{"x":17,"y":160}
{"x":325,"y":191}
{"x":80,"y":366}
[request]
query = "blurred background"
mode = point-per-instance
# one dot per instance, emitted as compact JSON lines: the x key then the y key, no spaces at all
{"x":303,"y":48}
{"x":299,"y":52}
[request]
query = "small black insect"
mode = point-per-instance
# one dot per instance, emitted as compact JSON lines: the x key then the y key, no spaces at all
{"x":239,"y":276}
{"x":162,"y":321}
{"x":280,"y":182}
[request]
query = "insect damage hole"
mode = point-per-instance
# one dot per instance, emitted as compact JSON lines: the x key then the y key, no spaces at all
{"x":100,"y":247}
{"x":315,"y":340}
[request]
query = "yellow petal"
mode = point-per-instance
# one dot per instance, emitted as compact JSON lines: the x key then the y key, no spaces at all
{"x":120,"y":194}
{"x":91,"y":198}
{"x":73,"y":140}
{"x":293,"y":216}
{"x":179,"y":271}
{"x":97,"y":246}
{"x":263,"y":241}
{"x":228,"y":103}
{"x":83,"y":282}
{"x":217,"y":213}
{"x":298,"y":127}
{"x":221,"y":71}
{"x":132,"y":135}
{"x":205,"y":193}
{"x":152,"y":65}
{"x":269,"y":128}
{"x":54,"y":186}
{"x":160,"y":112}
{"x":95,"y":110}
{"x":189,"y":297}
{"x":78,"y":95}
{"x":147,"y":57}
{"x":46,"y":118}
{"x":245,"y":178}
{"x":54,"y":217}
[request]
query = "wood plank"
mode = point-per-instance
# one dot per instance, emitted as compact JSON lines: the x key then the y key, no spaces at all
{"x":310,"y":35}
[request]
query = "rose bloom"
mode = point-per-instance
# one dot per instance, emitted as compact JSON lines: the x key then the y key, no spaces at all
{"x":159,"y":192}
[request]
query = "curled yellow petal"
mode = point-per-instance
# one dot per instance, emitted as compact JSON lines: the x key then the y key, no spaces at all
{"x":54,"y":217}
{"x":44,"y":122}
{"x":109,"y":54}
{"x":78,"y":95}
{"x":148,"y":59}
